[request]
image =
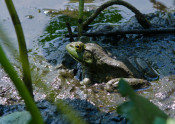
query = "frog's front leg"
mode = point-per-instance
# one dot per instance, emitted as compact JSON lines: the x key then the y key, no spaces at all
{"x":85,"y":75}
{"x":85,"y":81}
{"x":135,"y":82}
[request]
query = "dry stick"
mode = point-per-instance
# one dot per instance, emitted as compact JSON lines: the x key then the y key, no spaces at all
{"x":70,"y":32}
{"x":140,"y":17}
{"x":135,"y":31}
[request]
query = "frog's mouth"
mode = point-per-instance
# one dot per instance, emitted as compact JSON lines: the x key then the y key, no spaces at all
{"x":78,"y":56}
{"x":73,"y":57}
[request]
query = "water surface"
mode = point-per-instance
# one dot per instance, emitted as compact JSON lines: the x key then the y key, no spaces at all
{"x":34,"y":27}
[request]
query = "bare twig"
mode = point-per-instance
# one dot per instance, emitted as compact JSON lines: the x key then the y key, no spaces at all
{"x":70,"y":32}
{"x":4,"y":91}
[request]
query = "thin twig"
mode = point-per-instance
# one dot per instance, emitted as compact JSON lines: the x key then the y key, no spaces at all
{"x":70,"y":32}
{"x":4,"y":91}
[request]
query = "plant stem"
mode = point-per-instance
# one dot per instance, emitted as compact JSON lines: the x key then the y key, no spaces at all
{"x":22,"y":46}
{"x":80,"y":18}
{"x":36,"y":116}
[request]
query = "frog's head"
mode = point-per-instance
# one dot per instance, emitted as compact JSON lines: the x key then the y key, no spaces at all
{"x":79,"y":52}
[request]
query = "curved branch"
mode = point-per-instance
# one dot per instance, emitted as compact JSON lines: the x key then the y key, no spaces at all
{"x":140,"y":17}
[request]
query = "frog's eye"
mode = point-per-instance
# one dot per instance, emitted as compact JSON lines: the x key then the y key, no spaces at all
{"x":79,"y":47}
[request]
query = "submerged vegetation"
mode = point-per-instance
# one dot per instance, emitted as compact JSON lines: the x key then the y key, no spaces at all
{"x":57,"y":26}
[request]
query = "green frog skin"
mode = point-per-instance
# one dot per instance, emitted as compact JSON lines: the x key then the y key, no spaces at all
{"x":98,"y":66}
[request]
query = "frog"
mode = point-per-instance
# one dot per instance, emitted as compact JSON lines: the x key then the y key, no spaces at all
{"x":99,"y":66}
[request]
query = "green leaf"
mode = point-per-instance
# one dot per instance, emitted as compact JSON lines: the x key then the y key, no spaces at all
{"x":125,"y":89}
{"x":23,"y":117}
{"x":159,"y":121}
{"x":170,"y":121}
{"x":162,"y":121}
{"x":138,"y":110}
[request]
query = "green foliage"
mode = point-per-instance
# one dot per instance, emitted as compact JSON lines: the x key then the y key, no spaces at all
{"x":4,"y":40}
{"x":162,"y":121}
{"x":170,"y":121}
{"x":138,"y":110}
{"x":36,"y":117}
{"x":80,"y":18}
{"x":23,"y":91}
{"x":22,"y":46}
{"x":23,"y":117}
{"x":71,"y":114}
{"x":57,"y":26}
{"x":19,"y":84}
{"x":109,"y":15}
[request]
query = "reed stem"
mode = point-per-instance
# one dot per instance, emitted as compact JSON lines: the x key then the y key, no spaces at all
{"x":22,"y":46}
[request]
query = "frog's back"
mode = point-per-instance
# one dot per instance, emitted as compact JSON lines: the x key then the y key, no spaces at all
{"x":104,"y":67}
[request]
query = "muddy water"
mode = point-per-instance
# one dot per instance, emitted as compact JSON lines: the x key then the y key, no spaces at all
{"x":47,"y":46}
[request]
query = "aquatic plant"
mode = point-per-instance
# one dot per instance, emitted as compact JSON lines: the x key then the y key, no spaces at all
{"x":139,"y":16}
{"x":22,"y":46}
{"x":135,"y":113}
{"x":24,"y":87}
{"x":19,"y":84}
{"x":139,"y":110}
{"x":80,"y":18}
{"x":83,"y":24}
